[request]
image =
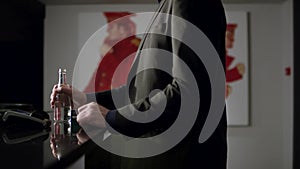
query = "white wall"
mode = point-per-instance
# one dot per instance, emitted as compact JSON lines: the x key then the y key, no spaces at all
{"x":288,"y":92}
{"x":267,"y":142}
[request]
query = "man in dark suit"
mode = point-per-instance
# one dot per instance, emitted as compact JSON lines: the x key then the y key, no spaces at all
{"x":136,"y":117}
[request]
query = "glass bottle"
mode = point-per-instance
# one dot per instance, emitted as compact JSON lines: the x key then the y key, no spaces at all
{"x":62,"y":104}
{"x":62,"y":139}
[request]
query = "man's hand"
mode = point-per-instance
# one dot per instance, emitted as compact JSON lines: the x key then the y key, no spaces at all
{"x":82,"y":137}
{"x":78,"y":97}
{"x":92,"y":115}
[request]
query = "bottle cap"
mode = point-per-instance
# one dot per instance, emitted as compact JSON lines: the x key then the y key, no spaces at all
{"x":60,"y":70}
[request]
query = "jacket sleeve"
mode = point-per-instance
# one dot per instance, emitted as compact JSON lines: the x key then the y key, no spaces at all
{"x":105,"y":98}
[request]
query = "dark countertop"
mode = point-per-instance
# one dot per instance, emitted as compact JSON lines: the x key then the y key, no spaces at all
{"x":37,"y":148}
{"x":58,"y":146}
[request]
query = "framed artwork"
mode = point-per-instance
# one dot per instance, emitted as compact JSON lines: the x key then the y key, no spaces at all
{"x":103,"y":57}
{"x":114,"y":54}
{"x":237,"y":68}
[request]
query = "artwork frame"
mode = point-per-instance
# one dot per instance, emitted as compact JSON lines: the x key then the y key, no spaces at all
{"x":237,"y":69}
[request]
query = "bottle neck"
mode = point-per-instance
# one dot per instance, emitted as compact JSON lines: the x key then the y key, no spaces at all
{"x":62,"y":77}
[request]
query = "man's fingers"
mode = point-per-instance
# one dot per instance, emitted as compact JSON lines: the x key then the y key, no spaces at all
{"x":84,"y":112}
{"x":82,"y":109}
{"x":61,"y":89}
{"x":53,"y":92}
{"x":57,"y":90}
{"x":65,"y":89}
{"x":52,"y":96}
{"x":81,"y":117}
{"x":90,"y":115}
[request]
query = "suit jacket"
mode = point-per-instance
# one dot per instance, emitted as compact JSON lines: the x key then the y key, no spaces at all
{"x":209,"y":17}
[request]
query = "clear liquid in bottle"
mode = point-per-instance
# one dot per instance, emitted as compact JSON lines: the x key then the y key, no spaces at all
{"x":62,"y":104}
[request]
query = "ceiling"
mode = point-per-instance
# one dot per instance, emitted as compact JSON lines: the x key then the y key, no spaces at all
{"x":71,"y":2}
